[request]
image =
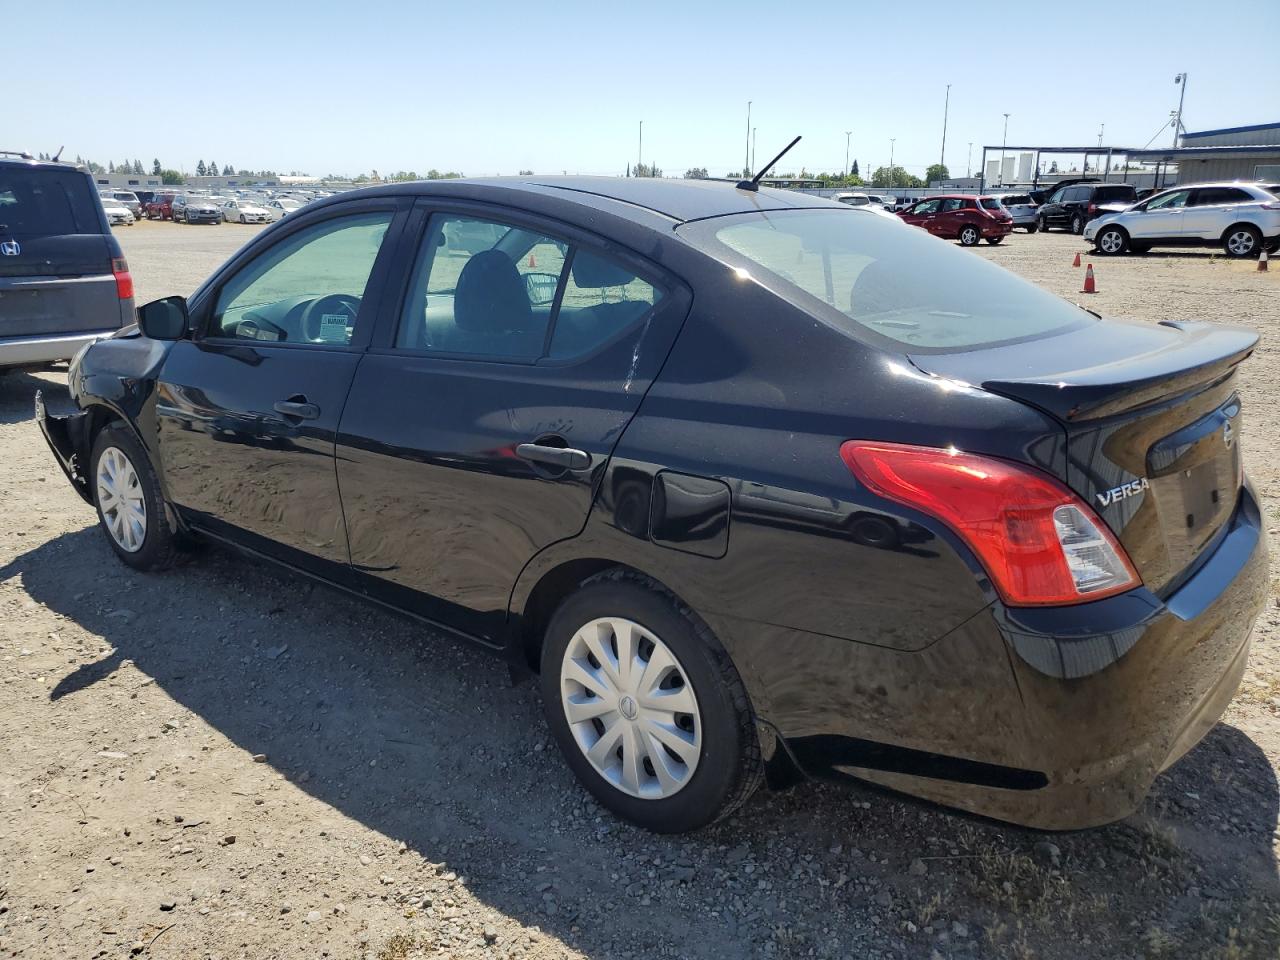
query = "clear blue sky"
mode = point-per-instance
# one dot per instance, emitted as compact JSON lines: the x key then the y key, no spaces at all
{"x":491,"y":88}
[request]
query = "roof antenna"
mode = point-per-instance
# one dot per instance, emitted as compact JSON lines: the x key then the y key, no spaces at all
{"x":754,"y":183}
{"x":60,"y":149}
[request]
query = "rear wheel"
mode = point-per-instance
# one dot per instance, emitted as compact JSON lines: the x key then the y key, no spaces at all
{"x":647,"y":707}
{"x":242,"y":220}
{"x":1077,"y":224}
{"x":1111,"y":241}
{"x":127,"y":494}
{"x":969,"y":235}
{"x":994,"y":240}
{"x":1242,"y":240}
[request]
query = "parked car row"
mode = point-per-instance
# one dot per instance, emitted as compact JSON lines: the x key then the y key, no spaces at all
{"x":195,"y":208}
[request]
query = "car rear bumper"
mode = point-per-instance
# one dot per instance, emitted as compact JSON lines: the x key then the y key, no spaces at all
{"x":997,"y":229}
{"x":1055,"y":718}
{"x":34,"y":351}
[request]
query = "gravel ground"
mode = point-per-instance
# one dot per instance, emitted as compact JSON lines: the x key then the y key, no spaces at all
{"x":225,"y":762}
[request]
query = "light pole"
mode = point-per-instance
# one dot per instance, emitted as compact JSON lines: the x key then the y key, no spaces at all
{"x":640,"y":150}
{"x":1181,"y":80}
{"x":1101,"y":130}
{"x":892,"y":141}
{"x":847,"y":135}
{"x":746,"y":174}
{"x":968,"y":163}
{"x":753,"y":148}
{"x":946,"y":107}
{"x":1004,"y":138}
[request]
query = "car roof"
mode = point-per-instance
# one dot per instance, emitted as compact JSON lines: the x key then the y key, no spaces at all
{"x":678,"y":200}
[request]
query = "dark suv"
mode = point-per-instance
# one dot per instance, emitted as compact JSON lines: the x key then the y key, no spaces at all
{"x":1075,"y":205}
{"x":63,"y":278}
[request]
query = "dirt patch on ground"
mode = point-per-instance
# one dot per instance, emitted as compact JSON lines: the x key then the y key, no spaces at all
{"x":225,"y":762}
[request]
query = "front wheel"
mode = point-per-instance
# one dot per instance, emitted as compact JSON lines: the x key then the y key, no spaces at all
{"x":1077,"y":224}
{"x":127,"y":495}
{"x":242,"y":220}
{"x":1111,"y":241}
{"x":647,"y":707}
{"x":1032,"y":227}
{"x":969,"y":235}
{"x":1044,"y":224}
{"x":1242,"y":241}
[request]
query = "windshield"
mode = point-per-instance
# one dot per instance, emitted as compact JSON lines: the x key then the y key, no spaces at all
{"x":873,"y":278}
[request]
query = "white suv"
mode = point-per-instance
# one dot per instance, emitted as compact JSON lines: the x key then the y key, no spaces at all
{"x":1241,"y":217}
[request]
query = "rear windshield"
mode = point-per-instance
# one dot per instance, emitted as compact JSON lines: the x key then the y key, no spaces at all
{"x":881,"y":280}
{"x":42,"y":203}
{"x":990,"y":203}
{"x":1009,"y":201}
{"x":1109,"y":194}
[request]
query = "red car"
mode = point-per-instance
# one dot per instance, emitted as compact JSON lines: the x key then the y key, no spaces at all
{"x":160,"y":207}
{"x":961,"y":217}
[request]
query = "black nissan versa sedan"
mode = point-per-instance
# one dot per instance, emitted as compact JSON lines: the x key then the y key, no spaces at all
{"x":757,"y":482}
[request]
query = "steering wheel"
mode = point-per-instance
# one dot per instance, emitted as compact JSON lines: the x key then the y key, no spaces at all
{"x":321,"y":315}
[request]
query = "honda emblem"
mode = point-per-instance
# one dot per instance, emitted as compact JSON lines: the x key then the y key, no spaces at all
{"x":10,"y":248}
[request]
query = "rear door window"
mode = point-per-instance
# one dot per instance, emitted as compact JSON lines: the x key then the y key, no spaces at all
{"x":484,"y":289}
{"x":43,"y":203}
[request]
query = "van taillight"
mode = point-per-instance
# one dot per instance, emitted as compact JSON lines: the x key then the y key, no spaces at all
{"x":1093,"y":208}
{"x":1039,"y":543}
{"x":124,"y":279}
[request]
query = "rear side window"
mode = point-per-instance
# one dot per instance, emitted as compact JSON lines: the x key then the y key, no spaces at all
{"x":488,"y":290}
{"x":879,"y":281}
{"x":41,"y":203}
{"x":1208,"y":196}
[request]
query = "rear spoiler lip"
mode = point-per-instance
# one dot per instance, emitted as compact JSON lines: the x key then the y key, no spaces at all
{"x":1208,"y":352}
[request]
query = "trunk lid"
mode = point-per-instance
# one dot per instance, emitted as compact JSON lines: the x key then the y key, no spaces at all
{"x":1151,"y":420}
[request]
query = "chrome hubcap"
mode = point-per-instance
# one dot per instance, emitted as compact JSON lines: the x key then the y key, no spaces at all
{"x":1240,"y":242}
{"x":124,"y":509}
{"x":630,"y":708}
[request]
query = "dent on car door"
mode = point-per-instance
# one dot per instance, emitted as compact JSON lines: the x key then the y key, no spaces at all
{"x":478,"y":426}
{"x":247,"y":411}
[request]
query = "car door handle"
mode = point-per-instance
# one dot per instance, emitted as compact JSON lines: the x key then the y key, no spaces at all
{"x":300,"y":409}
{"x":566,"y":458}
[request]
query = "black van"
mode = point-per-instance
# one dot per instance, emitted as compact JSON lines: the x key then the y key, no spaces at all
{"x":1075,"y":205}
{"x":64,"y":281}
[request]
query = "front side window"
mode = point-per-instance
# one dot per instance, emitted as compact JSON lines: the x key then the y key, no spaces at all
{"x":307,"y":288}
{"x":873,"y":279}
{"x":1170,"y":201}
{"x":490,"y":290}
{"x":929,"y":206}
{"x":1058,"y":196}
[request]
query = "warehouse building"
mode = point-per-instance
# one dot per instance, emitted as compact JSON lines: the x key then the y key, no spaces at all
{"x":1231,"y":153}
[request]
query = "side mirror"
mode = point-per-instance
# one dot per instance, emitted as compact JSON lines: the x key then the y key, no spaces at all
{"x":164,"y":319}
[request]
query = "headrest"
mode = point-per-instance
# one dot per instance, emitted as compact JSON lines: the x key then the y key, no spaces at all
{"x":490,"y":296}
{"x":591,"y":271}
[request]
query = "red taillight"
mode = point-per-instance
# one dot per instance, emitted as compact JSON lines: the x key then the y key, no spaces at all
{"x":124,"y":279}
{"x":1093,"y":208}
{"x":1038,"y":541}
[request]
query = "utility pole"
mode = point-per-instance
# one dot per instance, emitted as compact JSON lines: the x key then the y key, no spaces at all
{"x":847,"y":135}
{"x":1181,"y":80}
{"x":640,"y":150}
{"x":1100,"y":132}
{"x":946,"y":107}
{"x":892,"y":141}
{"x":753,"y":148}
{"x":1004,"y":139}
{"x":968,"y":163}
{"x":746,"y":174}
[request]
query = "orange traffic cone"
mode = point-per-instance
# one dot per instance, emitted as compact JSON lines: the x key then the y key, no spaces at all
{"x":1089,"y":286}
{"x":1076,"y":261}
{"x":532,"y":262}
{"x":1262,"y":262}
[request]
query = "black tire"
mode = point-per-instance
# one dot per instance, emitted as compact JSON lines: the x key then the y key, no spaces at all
{"x":729,"y":765}
{"x":1136,"y":247}
{"x":1114,"y":238}
{"x":1032,"y":227}
{"x":970,"y":236}
{"x":1077,"y":224}
{"x":994,"y":240}
{"x":1242,"y":241}
{"x":1044,"y":223}
{"x":242,"y":220}
{"x":159,"y":546}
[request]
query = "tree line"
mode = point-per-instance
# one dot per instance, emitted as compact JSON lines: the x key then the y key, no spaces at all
{"x":886,"y":176}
